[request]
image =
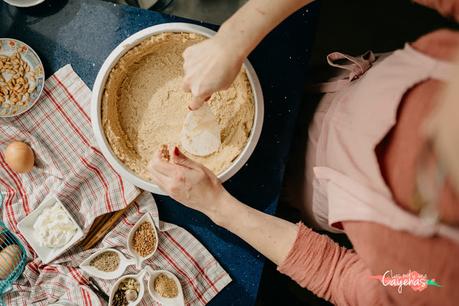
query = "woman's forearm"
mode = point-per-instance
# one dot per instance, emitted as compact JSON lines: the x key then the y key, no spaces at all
{"x":271,"y":236}
{"x":314,"y":261}
{"x":247,"y":27}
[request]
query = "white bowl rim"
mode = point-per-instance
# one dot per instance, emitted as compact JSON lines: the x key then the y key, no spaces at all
{"x":27,"y":3}
{"x":99,"y":86}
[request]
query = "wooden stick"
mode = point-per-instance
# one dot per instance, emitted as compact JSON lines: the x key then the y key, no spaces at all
{"x":102,"y":225}
{"x":97,"y":224}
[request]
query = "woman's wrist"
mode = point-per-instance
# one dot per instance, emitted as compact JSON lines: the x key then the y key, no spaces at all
{"x":235,"y":39}
{"x":221,"y":211}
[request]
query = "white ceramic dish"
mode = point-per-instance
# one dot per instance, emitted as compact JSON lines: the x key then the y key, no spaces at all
{"x":9,"y":47}
{"x":177,"y":301}
{"x":26,"y":227}
{"x":24,"y":3}
{"x":93,"y":271}
{"x":139,"y":278}
{"x":139,"y":259}
{"x":98,"y":91}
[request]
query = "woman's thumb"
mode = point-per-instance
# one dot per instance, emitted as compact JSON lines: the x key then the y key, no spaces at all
{"x":180,"y":159}
{"x":197,"y":102}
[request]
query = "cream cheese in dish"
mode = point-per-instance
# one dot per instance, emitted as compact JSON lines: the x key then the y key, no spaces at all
{"x":54,"y":227}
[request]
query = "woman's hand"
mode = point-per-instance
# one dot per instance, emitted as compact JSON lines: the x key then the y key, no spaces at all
{"x":197,"y":187}
{"x":213,"y":64}
{"x":209,"y":66}
{"x":187,"y":182}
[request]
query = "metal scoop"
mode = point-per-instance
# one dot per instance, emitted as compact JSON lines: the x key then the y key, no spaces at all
{"x":201,"y":133}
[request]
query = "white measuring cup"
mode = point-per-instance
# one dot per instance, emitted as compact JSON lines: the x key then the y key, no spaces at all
{"x":93,"y":271}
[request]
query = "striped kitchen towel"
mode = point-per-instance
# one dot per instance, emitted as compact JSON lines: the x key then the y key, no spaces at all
{"x":70,"y":166}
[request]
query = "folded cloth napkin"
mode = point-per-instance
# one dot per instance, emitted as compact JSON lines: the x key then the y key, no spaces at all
{"x":69,"y":165}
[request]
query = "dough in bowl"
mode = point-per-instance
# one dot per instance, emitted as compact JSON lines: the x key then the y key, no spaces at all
{"x":144,"y":106}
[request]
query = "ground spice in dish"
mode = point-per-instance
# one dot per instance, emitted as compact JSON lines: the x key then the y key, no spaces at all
{"x":127,"y":285}
{"x":107,"y":262}
{"x":144,"y":240}
{"x":165,"y":286}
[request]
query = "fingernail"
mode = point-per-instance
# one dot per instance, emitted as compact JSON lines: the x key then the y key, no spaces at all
{"x":176,"y":151}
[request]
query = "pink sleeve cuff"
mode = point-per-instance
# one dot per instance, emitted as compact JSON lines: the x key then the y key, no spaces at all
{"x":311,"y":261}
{"x":331,"y":272}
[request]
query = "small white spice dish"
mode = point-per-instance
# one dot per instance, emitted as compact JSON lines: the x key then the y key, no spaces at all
{"x":93,"y":271}
{"x":140,"y":259}
{"x":176,"y":301}
{"x":25,"y":226}
{"x":139,"y":278}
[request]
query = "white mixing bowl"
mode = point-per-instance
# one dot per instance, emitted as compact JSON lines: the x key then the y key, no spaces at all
{"x":98,"y":91}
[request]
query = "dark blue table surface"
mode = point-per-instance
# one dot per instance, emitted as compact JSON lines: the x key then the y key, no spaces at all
{"x":84,"y":32}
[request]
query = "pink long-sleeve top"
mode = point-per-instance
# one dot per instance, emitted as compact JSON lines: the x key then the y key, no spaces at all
{"x":341,"y":275}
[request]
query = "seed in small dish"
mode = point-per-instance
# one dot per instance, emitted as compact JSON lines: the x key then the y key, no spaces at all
{"x":106,"y":261}
{"x":144,"y":240}
{"x":165,"y":286}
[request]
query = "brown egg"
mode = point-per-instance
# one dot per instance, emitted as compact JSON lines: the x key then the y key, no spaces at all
{"x":9,"y":259}
{"x":19,"y":156}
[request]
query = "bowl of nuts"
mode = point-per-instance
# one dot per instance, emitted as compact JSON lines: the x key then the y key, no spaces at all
{"x":22,"y":77}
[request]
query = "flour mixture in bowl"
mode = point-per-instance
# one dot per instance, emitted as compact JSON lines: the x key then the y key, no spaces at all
{"x":144,"y":106}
